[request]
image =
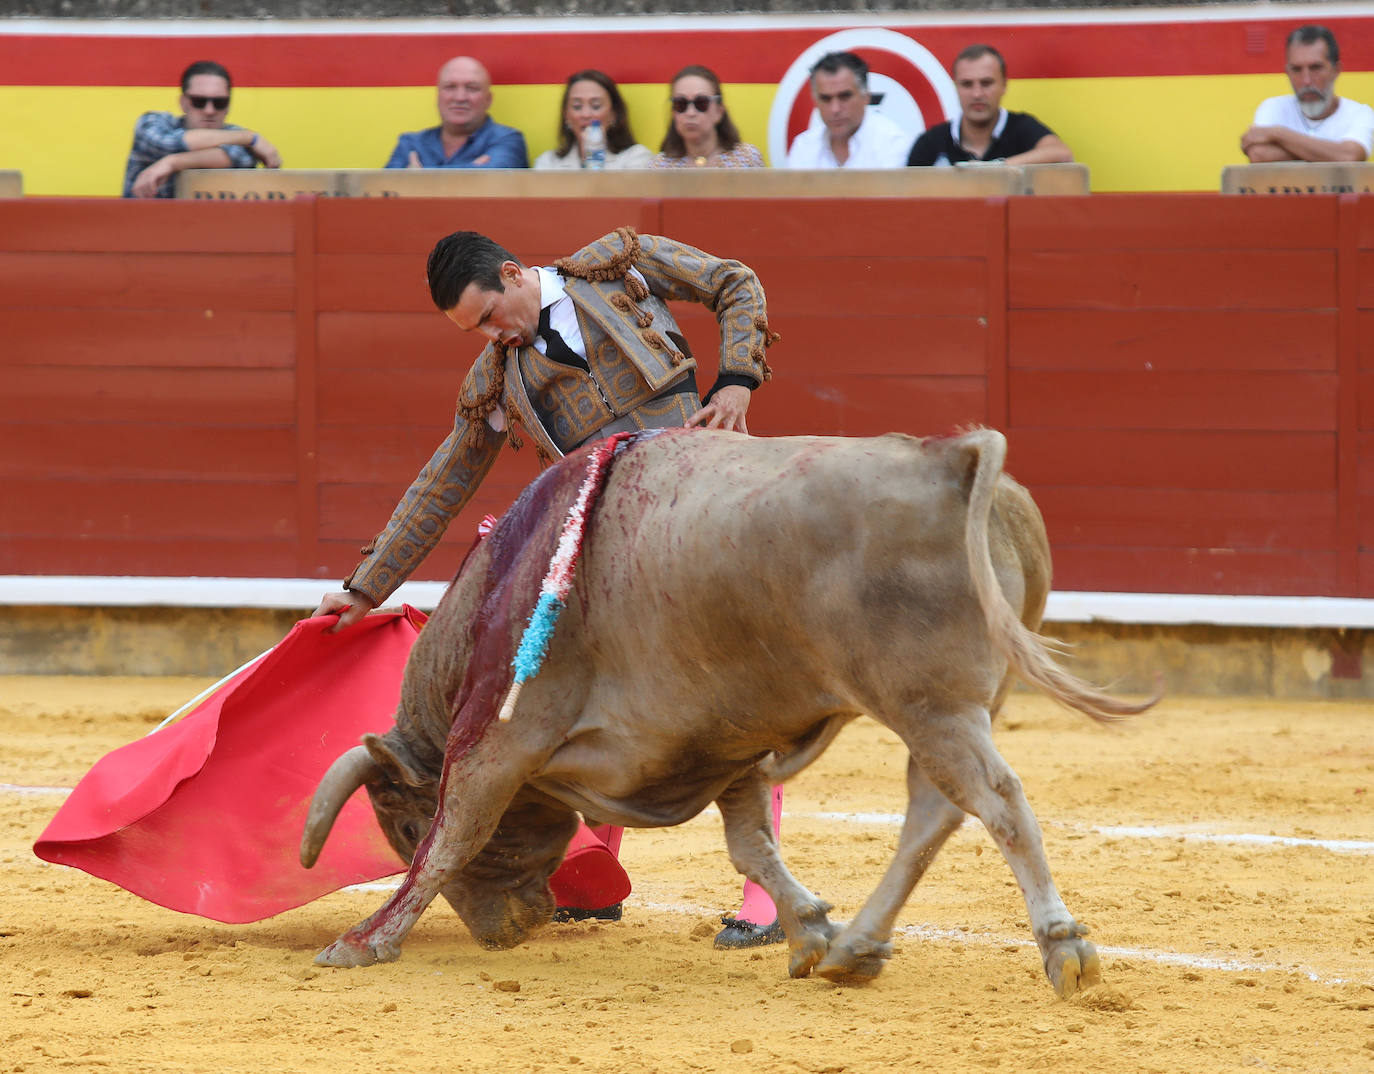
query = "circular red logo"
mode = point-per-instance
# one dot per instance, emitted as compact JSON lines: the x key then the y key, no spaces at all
{"x":908,"y":84}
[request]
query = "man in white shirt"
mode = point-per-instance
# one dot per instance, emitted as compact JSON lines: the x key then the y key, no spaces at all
{"x":1312,"y":124}
{"x":849,"y":135}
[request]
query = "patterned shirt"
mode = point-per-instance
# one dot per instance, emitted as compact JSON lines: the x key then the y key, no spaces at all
{"x":160,"y":134}
{"x":743,"y":155}
{"x":504,"y":145}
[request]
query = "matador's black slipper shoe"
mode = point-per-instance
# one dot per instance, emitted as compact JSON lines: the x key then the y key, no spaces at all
{"x":576,"y":913}
{"x":739,"y":933}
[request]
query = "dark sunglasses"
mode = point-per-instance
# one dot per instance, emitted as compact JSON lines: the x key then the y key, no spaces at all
{"x":700,"y":102}
{"x":221,"y":103}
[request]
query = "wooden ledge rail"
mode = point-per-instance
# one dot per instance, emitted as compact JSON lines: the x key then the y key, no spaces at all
{"x":11,"y":184}
{"x":1298,"y":177}
{"x":980,"y":182}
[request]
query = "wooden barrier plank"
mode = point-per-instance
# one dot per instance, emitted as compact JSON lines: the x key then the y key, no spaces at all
{"x":1364,"y":285}
{"x":1175,"y":340}
{"x":339,"y":557}
{"x":1127,"y":458}
{"x":823,"y":404}
{"x":858,"y":288}
{"x":205,"y":397}
{"x":45,"y":450}
{"x":878,"y":230}
{"x":371,"y":283}
{"x":400,"y":184}
{"x":157,"y":226}
{"x":1348,"y":461}
{"x":121,"y":508}
{"x":893,"y":344}
{"x":1124,"y":222}
{"x":387,"y":455}
{"x":1196,"y":570}
{"x":1055,"y":180}
{"x":1180,"y":279}
{"x":1364,"y":223}
{"x":398,"y":396}
{"x":1127,"y":399}
{"x":1298,"y":177}
{"x":305,"y":413}
{"x":351,"y":339}
{"x":148,"y":555}
{"x":351,"y":512}
{"x":1188,"y":518}
{"x":190,"y":339}
{"x":537,"y":231}
{"x":162,"y":281}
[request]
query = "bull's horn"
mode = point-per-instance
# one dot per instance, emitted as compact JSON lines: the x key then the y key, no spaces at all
{"x":345,"y":776}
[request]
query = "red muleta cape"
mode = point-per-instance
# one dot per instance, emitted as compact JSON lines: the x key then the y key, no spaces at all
{"x":205,"y":816}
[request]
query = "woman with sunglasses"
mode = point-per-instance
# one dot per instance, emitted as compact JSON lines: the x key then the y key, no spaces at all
{"x":593,"y":95}
{"x":702,"y":135}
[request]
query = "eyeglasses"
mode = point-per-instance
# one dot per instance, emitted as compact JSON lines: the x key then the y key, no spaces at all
{"x":221,"y":103}
{"x":700,"y":102}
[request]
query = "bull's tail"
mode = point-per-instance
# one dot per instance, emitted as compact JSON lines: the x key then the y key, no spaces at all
{"x":1027,"y":652}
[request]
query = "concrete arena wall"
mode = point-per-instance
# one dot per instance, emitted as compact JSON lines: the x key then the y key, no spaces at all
{"x":1193,"y":659}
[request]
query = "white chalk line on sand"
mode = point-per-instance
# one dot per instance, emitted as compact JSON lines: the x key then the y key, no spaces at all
{"x":1185,"y":832}
{"x":948,"y":935}
{"x":1188,"y":833}
{"x":940,"y":934}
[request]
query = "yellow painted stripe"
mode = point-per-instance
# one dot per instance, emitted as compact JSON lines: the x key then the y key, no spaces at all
{"x":1133,"y":133}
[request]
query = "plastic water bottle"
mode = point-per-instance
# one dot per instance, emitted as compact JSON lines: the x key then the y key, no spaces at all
{"x":594,"y":147}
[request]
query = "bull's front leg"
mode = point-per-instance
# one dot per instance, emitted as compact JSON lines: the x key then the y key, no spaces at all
{"x":745,"y":809}
{"x":473,"y":794}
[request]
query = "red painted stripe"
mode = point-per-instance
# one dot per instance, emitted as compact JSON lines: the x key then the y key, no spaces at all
{"x":1069,"y":50}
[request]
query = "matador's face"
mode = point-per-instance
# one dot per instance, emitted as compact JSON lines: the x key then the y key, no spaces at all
{"x":510,"y":317}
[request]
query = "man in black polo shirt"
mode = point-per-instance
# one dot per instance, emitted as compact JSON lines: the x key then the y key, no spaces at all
{"x":982,"y":131}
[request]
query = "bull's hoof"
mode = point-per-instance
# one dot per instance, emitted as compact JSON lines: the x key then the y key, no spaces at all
{"x":1071,"y":962}
{"x":345,"y":953}
{"x":857,"y":964}
{"x":809,"y":947}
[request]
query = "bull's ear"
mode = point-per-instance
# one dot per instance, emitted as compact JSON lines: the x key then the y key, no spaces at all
{"x":396,"y":763}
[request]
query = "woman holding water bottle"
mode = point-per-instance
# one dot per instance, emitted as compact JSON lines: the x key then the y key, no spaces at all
{"x":592,"y":105}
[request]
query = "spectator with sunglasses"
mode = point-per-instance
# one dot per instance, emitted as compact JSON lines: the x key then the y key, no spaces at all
{"x":702,"y":135}
{"x":846,"y":132}
{"x":165,"y":144}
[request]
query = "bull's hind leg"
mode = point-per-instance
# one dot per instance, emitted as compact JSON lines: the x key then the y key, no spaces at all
{"x":744,"y":807}
{"x":473,"y":794}
{"x":859,"y":952}
{"x":958,"y":754}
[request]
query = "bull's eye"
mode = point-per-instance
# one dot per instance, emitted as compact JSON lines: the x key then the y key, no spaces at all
{"x":412,"y":831}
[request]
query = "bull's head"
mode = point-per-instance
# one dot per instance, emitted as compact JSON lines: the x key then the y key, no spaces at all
{"x":503,"y":893}
{"x":403,"y":799}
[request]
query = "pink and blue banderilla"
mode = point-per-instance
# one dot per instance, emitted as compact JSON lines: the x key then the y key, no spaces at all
{"x":553,"y":591}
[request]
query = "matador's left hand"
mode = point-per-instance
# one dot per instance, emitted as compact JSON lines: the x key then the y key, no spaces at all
{"x":726,"y":410}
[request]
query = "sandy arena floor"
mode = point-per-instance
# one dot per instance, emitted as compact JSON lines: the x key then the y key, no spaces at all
{"x":1222,"y":851}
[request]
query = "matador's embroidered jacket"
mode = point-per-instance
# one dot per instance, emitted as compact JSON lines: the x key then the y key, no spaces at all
{"x":637,"y":360}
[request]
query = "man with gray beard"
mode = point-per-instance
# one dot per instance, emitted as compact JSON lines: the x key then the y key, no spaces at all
{"x":1313,"y":124}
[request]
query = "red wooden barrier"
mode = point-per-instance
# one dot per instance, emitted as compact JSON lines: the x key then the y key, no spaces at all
{"x":1187,"y":381}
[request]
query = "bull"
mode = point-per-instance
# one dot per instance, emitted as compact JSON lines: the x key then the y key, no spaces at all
{"x":738,"y":601}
